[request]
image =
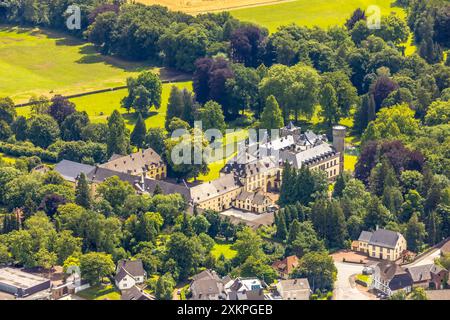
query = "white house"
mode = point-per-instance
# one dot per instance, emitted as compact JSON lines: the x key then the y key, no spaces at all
{"x":294,"y":289}
{"x":129,"y":273}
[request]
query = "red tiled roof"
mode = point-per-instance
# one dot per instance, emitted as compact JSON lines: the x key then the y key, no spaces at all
{"x":287,"y":265}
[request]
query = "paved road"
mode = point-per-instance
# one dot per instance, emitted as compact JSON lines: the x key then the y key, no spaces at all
{"x":343,"y":288}
{"x":426,"y":259}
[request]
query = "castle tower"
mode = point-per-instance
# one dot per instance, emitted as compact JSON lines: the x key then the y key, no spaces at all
{"x":339,"y":133}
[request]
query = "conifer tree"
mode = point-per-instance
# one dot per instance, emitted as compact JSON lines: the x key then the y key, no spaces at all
{"x":272,"y":117}
{"x":175,"y":106}
{"x":118,"y":140}
{"x":138,"y":135}
{"x":83,"y":196}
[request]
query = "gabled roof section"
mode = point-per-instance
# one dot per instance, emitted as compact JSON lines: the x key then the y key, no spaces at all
{"x":135,"y":163}
{"x":384,"y":238}
{"x":70,"y":170}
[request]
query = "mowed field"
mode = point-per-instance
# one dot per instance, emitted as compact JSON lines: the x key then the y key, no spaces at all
{"x":322,"y":13}
{"x":41,"y":62}
{"x":275,"y":13}
{"x":100,"y":106}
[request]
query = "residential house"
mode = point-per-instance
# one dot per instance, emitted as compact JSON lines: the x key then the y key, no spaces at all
{"x":135,"y":293}
{"x":294,"y":289}
{"x":428,"y":276}
{"x":388,"y":277}
{"x":286,"y":266}
{"x":145,"y":162}
{"x":245,"y":289}
{"x":207,"y":285}
{"x":129,"y":273}
{"x":381,"y":244}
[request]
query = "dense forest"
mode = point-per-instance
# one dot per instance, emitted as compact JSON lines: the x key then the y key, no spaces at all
{"x":242,"y":76}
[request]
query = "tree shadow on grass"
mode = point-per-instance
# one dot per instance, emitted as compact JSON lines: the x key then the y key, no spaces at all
{"x":131,"y":118}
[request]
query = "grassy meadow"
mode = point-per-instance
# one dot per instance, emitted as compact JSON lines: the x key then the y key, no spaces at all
{"x":100,"y":106}
{"x":42,"y":62}
{"x":322,"y":13}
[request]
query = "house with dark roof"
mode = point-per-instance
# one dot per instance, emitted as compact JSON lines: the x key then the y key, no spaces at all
{"x":286,"y":266}
{"x":429,"y":276}
{"x":207,"y":285}
{"x":129,"y":273}
{"x":141,"y":184}
{"x":388,"y":277}
{"x":381,"y":244}
{"x":135,"y":293}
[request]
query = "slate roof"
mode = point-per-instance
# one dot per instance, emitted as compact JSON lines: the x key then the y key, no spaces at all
{"x":212,"y":189}
{"x":365,"y":236}
{"x":135,"y":163}
{"x":134,"y":293}
{"x":309,"y":156}
{"x":134,"y":268}
{"x":424,"y":272}
{"x":70,"y":170}
{"x":384,"y":238}
{"x":390,"y":272}
{"x":257,"y":198}
{"x":99,"y":175}
{"x":207,"y":284}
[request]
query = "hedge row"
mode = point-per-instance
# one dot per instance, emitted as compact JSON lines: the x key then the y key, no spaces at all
{"x":28,"y":150}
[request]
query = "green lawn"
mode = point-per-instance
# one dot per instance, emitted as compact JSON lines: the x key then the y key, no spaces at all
{"x":225,"y":249}
{"x":100,"y":293}
{"x":100,"y":106}
{"x":350,"y":162}
{"x":7,"y":159}
{"x":322,"y":13}
{"x":364,"y":278}
{"x":34,"y":61}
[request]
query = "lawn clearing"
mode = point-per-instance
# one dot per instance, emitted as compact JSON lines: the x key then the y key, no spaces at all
{"x":100,"y":106}
{"x":225,"y":249}
{"x":7,"y":159}
{"x":43,"y":62}
{"x":100,"y":292}
{"x":322,"y":13}
{"x":350,"y":162}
